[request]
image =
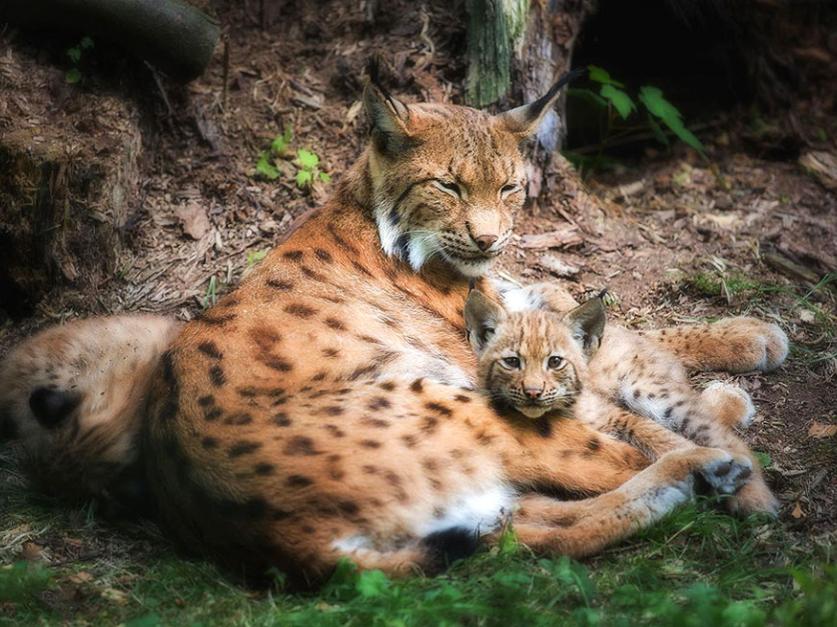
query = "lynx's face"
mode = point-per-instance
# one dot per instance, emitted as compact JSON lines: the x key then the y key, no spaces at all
{"x":447,"y":180}
{"x":533,"y":361}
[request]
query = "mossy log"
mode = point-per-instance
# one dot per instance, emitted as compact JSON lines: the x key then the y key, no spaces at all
{"x":172,"y":35}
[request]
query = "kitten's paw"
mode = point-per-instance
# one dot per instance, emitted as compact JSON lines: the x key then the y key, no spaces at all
{"x":754,"y":498}
{"x":730,"y":404}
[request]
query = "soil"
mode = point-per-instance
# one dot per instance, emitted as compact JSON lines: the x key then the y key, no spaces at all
{"x":675,"y":238}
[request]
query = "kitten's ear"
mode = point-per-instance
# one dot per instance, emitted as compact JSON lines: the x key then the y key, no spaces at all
{"x":524,"y":121}
{"x":388,"y":116}
{"x":587,"y":323}
{"x":482,"y":315}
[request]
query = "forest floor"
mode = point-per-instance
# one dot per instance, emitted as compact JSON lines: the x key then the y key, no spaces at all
{"x":676,"y":239}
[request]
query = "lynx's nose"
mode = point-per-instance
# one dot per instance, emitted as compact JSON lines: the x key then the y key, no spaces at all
{"x":533,"y":392}
{"x":484,"y":242}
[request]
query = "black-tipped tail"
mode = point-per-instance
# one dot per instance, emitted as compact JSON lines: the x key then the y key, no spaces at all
{"x":448,"y":546}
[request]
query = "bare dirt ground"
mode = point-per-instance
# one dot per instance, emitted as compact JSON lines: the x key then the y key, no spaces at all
{"x":674,"y":238}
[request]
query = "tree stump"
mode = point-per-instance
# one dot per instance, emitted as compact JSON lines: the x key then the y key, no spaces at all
{"x":68,"y":181}
{"x":516,"y":50}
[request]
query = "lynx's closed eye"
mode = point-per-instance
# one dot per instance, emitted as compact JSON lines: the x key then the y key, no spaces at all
{"x":555,"y":362}
{"x":511,"y":362}
{"x":448,"y":187}
{"x":509,"y":188}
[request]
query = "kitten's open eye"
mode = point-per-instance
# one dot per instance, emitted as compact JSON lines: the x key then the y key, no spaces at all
{"x":448,"y":186}
{"x":556,"y":363}
{"x":511,"y":362}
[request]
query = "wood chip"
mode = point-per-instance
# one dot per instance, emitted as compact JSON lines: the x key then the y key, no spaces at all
{"x":820,"y":430}
{"x":557,"y":266}
{"x":562,"y":238}
{"x":194,"y":220}
{"x":823,"y":166}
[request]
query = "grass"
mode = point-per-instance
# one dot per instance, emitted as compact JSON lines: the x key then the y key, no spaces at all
{"x":697,"y":567}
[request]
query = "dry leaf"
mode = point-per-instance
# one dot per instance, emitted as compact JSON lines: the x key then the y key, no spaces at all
{"x":114,"y":595}
{"x":821,"y":430}
{"x":81,"y":577}
{"x":194,"y":220}
{"x":32,"y":552}
{"x":564,"y":237}
{"x":797,"y":511}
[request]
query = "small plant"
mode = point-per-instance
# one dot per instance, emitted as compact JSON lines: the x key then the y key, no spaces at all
{"x":75,"y":53}
{"x":211,"y":296}
{"x":621,"y":120}
{"x":255,"y":256}
{"x":277,"y":159}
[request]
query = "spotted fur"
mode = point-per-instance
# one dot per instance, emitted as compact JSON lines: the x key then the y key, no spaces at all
{"x":325,"y":409}
{"x":548,"y":354}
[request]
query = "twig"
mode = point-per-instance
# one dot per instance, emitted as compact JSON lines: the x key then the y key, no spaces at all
{"x":225,"y":76}
{"x":160,"y":87}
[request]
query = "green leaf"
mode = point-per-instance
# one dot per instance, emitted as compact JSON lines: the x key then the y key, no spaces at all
{"x":307,"y":159}
{"x":657,"y":105}
{"x":508,"y":543}
{"x":74,"y":53}
{"x":304,"y":178}
{"x":659,"y":135}
{"x":372,"y":583}
{"x":764,"y":459}
{"x":325,"y":178}
{"x":279,"y":145}
{"x":73,"y":76}
{"x":600,"y":75}
{"x":255,"y":256}
{"x":86,"y":43}
{"x":619,"y":99}
{"x":266,"y":168}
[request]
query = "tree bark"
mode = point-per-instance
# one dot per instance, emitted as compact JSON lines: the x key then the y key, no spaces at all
{"x":539,"y":39}
{"x":173,"y":36}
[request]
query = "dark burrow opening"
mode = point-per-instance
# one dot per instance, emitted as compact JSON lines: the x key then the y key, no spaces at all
{"x":708,"y":58}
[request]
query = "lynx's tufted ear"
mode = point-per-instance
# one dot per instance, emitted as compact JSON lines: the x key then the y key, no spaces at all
{"x":482,"y":315}
{"x":523,"y":121}
{"x":388,"y":116}
{"x":587,"y":323}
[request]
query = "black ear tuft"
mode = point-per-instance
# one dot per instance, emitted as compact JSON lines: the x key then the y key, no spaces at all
{"x":524,"y":120}
{"x":52,"y":407}
{"x":373,"y":69}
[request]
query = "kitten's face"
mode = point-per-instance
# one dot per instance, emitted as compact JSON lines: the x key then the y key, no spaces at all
{"x":533,"y":363}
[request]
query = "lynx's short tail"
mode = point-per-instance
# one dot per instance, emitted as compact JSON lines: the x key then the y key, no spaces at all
{"x":72,"y":397}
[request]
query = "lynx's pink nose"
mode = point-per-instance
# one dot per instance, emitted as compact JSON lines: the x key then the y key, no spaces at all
{"x":533,"y":393}
{"x":484,"y":242}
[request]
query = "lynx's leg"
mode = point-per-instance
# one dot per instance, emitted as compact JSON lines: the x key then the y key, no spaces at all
{"x":651,"y":438}
{"x":652,"y":383}
{"x":737,"y":344}
{"x":581,"y":528}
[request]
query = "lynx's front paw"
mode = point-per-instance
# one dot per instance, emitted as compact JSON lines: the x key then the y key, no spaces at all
{"x":724,"y":473}
{"x":754,"y":498}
